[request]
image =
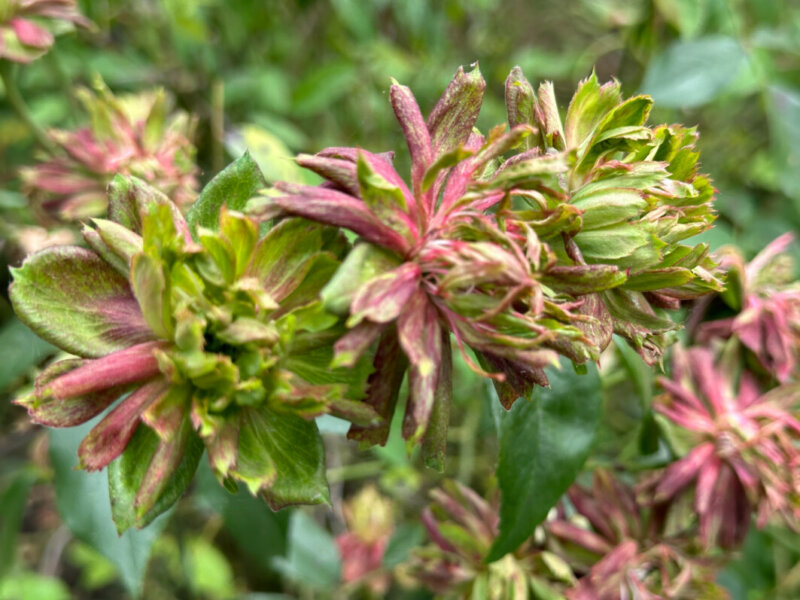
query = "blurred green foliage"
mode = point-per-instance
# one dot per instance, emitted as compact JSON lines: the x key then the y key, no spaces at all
{"x":280,"y":77}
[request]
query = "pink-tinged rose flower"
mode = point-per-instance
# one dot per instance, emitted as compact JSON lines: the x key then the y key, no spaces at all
{"x":621,"y":551}
{"x":434,"y":259}
{"x":462,"y":527}
{"x":23,"y":36}
{"x":746,"y":447}
{"x":768,"y":300}
{"x":201,"y":343}
{"x":369,"y":519}
{"x":130,"y":135}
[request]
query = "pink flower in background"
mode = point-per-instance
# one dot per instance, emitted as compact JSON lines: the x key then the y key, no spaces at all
{"x":769,"y":302}
{"x":369,"y":518}
{"x":624,"y":551}
{"x":22,"y":37}
{"x":130,"y":135}
{"x":746,"y":454}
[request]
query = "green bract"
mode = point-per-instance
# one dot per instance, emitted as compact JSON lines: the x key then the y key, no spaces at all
{"x":221,"y":338}
{"x":606,"y":189}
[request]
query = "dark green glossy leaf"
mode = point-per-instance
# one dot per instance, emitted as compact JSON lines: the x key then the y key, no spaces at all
{"x":543,"y":445}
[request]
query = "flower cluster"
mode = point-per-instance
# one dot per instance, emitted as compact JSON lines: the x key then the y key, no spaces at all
{"x":622,"y":549}
{"x":602,"y":545}
{"x":462,"y":527}
{"x":521,"y":245}
{"x":461,"y":250}
{"x":221,"y":338}
{"x":767,"y":300}
{"x":606,"y":191}
{"x":369,"y":519}
{"x":745,"y":448}
{"x":131,"y":135}
{"x":22,"y":37}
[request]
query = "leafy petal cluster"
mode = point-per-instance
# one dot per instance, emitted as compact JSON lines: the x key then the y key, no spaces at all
{"x":134,"y":135}
{"x":766,"y":297}
{"x":520,"y":258}
{"x":220,"y":340}
{"x":607,"y":191}
{"x":744,"y":447}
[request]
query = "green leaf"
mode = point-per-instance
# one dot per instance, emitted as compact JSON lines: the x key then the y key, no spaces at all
{"x":692,"y":73}
{"x":609,"y":206}
{"x":520,"y":99}
{"x":640,"y":373}
{"x":543,"y":445}
{"x":452,"y":119}
{"x":313,"y":558}
{"x":233,"y":187}
{"x":150,"y":287}
{"x":612,"y":243}
{"x":20,"y":349}
{"x":658,"y":279}
{"x":784,"y":121}
{"x":281,"y":257}
{"x":13,"y":500}
{"x":274,"y":159}
{"x":381,"y":196}
{"x":314,"y":366}
{"x":82,"y":500}
{"x":131,"y":199}
{"x":588,"y":107}
{"x":126,"y":474}
{"x":76,"y":301}
{"x":210,"y":574}
{"x":294,"y":447}
{"x":642,"y":377}
{"x":323,"y":86}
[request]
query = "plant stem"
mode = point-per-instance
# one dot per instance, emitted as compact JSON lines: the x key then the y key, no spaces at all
{"x":23,"y":112}
{"x":217,"y":125}
{"x":356,"y":471}
{"x":57,"y":69}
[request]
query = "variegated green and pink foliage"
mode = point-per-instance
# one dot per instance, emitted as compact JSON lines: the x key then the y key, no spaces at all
{"x":233,"y":338}
{"x":603,"y":545}
{"x":609,"y":193}
{"x":218,"y":338}
{"x":138,"y":135}
{"x":526,"y":243}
